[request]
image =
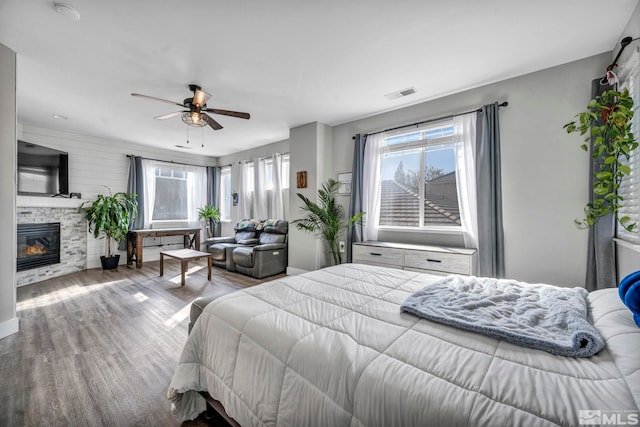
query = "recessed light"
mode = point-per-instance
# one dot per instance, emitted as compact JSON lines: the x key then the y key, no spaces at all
{"x":66,"y":10}
{"x":59,"y":116}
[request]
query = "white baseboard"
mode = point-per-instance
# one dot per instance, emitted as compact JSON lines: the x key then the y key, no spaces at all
{"x":292,"y":271}
{"x":9,"y":327}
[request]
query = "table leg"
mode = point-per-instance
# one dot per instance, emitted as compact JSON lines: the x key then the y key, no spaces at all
{"x":129,"y":249}
{"x":197,"y":237}
{"x":209,"y":267}
{"x":183,"y":270}
{"x":161,"y":264}
{"x":139,"y":251}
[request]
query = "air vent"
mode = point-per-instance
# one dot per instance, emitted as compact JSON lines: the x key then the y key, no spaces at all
{"x":400,"y":93}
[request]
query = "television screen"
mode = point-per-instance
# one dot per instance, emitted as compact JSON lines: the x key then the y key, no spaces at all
{"x":42,"y":170}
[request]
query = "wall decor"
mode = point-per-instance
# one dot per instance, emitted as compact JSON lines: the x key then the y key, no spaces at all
{"x":344,"y":180}
{"x":301,"y":179}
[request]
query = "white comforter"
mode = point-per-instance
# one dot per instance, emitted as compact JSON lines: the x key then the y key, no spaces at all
{"x":332,"y":348}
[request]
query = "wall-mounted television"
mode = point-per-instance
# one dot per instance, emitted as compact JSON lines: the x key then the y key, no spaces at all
{"x":42,"y":171}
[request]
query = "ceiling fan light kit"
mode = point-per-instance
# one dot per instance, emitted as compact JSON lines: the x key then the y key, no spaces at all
{"x":195,"y":113}
{"x":193,"y":118}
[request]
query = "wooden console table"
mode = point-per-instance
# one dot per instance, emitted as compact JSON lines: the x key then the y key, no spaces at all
{"x":135,"y":237}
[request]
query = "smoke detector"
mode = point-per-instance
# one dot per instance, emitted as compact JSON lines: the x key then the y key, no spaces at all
{"x":400,"y":93}
{"x":66,"y":10}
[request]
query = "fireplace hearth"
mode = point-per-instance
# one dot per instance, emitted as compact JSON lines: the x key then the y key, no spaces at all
{"x":38,"y":245}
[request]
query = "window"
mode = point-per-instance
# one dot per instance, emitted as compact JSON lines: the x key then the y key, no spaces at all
{"x":173,"y":193}
{"x":285,"y":172}
{"x":630,"y":186}
{"x":171,"y":201}
{"x":418,"y":178}
{"x":225,"y":193}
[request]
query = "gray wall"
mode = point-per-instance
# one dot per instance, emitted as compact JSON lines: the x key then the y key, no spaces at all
{"x":310,"y":151}
{"x":8,"y":154}
{"x":544,"y":172}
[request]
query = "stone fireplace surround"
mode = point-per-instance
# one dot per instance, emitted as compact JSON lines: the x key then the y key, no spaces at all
{"x":73,"y":235}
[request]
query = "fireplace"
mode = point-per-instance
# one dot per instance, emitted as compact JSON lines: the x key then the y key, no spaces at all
{"x":38,"y":245}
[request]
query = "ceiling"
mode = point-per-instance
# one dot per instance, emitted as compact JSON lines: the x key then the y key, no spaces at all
{"x":286,"y":62}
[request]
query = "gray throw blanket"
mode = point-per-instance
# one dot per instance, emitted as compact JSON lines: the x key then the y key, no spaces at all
{"x":540,"y":316}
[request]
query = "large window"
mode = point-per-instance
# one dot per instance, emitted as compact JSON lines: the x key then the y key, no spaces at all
{"x":171,"y":201}
{"x":630,"y":186}
{"x":225,"y":193}
{"x":418,"y":178}
{"x":173,"y":193}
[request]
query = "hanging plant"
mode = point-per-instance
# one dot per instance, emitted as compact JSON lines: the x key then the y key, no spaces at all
{"x":608,"y":122}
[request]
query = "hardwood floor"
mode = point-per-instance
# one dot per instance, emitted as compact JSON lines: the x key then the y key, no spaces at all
{"x":100,"y":347}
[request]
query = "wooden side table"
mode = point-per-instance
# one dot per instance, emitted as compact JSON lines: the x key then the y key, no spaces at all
{"x":184,"y":255}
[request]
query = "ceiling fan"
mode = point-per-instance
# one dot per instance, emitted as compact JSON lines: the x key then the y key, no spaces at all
{"x":195,"y":109}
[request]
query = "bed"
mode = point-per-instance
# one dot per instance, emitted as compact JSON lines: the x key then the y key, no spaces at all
{"x":332,"y":348}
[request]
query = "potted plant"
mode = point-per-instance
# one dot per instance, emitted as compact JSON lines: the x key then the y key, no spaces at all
{"x":211,"y":215}
{"x":109,"y":216}
{"x":326,"y":219}
{"x":608,"y":121}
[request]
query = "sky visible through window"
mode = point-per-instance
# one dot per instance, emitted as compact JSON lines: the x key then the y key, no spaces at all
{"x":437,"y":156}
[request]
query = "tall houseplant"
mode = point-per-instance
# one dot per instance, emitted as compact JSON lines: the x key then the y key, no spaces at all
{"x":211,"y":215}
{"x":613,"y":142}
{"x":326,"y":219}
{"x":109,"y":216}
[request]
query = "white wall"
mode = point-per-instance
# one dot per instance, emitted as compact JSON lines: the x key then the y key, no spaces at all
{"x":544,"y":172}
{"x":96,"y":162}
{"x":264,"y":151}
{"x":8,"y":153}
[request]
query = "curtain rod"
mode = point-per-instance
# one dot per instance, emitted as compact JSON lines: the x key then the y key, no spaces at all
{"x":477,"y":110}
{"x":623,"y":43}
{"x":262,"y":158}
{"x":168,"y":161}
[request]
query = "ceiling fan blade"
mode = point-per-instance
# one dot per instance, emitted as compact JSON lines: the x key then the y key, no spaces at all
{"x":215,"y":125}
{"x":229,"y":113}
{"x":157,"y":99}
{"x":200,"y":98}
{"x":170,"y":115}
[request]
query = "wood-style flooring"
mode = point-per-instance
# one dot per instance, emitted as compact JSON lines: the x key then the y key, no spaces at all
{"x":99,"y":348}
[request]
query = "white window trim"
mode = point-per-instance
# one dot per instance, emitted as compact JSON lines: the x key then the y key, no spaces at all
{"x":421,"y":144}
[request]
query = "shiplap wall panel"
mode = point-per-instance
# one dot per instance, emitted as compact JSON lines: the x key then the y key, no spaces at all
{"x":96,"y":162}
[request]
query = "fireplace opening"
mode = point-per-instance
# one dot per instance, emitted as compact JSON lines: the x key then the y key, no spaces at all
{"x":38,"y":245}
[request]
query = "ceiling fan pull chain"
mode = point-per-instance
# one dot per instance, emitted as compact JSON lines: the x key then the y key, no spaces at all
{"x":187,"y":134}
{"x":202,"y":130}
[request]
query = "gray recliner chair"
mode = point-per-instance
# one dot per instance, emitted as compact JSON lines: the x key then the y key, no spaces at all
{"x":269,"y":256}
{"x":221,"y":248}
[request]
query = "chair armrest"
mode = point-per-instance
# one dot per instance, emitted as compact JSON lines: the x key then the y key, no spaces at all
{"x":214,"y":240}
{"x":270,"y":247}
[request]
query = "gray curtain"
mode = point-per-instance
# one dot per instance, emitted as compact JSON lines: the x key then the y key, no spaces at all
{"x":601,"y":259}
{"x":135,"y":185}
{"x":355,"y":205}
{"x":489,"y":190}
{"x":213,"y":193}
